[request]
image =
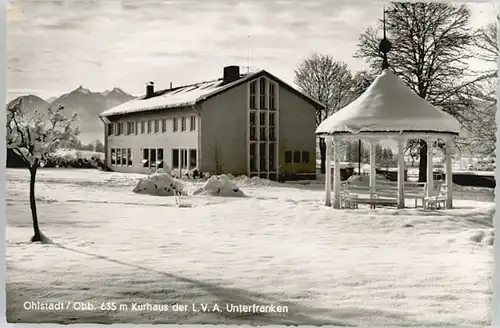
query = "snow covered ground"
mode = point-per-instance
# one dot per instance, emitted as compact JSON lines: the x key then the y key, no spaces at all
{"x":278,"y":246}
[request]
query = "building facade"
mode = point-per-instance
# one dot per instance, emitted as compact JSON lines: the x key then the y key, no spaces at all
{"x":253,"y":124}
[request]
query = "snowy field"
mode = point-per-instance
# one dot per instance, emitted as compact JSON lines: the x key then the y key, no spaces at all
{"x":278,"y":246}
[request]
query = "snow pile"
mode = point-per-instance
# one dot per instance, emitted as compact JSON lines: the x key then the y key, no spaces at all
{"x":485,"y":237}
{"x":219,"y":185}
{"x":159,"y":184}
{"x":243,"y":180}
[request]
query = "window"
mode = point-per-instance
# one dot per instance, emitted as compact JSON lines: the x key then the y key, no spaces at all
{"x":175,"y":158}
{"x":272,"y":119}
{"x":157,"y":126}
{"x":262,"y":120}
{"x":184,"y":158}
{"x":110,"y":129}
{"x":272,"y":157}
{"x":272,"y":134}
{"x":253,"y":91}
{"x":262,"y":90}
{"x":272,"y":96}
{"x":253,"y":158}
{"x":296,"y":156}
{"x":124,"y":157}
{"x":152,"y":157}
{"x":129,"y":157}
{"x":288,"y":157}
{"x":145,"y":157}
{"x":159,"y":154}
{"x":192,"y":158}
{"x":136,"y":127}
{"x":183,"y":123}
{"x":263,"y":156}
{"x":118,"y":156}
{"x":163,"y":125}
{"x":192,"y":123}
{"x":305,"y":157}
{"x":143,"y":127}
{"x":113,"y":156}
{"x":150,"y":126}
{"x":119,"y":128}
{"x":253,"y":126}
{"x":130,"y":128}
{"x":175,"y":125}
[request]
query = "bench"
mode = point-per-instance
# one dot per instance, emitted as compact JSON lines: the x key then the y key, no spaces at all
{"x":385,"y":193}
{"x":437,"y":199}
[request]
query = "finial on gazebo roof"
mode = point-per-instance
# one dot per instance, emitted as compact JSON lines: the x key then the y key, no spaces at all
{"x":385,"y":46}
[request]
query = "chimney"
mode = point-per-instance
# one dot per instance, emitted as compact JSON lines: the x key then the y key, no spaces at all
{"x":170,"y":85}
{"x":150,"y":89}
{"x":231,"y":74}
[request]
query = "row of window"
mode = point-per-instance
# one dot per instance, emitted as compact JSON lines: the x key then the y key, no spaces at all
{"x":153,"y":157}
{"x":266,"y":94}
{"x":121,"y":156}
{"x":151,"y":126}
{"x":297,"y":157}
{"x":267,"y":156}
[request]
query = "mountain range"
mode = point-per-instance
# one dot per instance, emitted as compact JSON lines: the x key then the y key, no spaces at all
{"x":87,"y":104}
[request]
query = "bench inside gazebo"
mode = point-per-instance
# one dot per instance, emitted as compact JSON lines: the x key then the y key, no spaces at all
{"x":388,"y":109}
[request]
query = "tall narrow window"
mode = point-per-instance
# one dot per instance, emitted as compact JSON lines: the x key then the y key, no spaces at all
{"x":124,"y":157}
{"x":272,"y":126}
{"x":129,"y":157}
{"x":157,"y":126}
{"x":184,"y":158}
{"x":163,"y":125}
{"x":192,"y":158}
{"x":253,"y":95}
{"x":110,"y":129}
{"x":159,"y":158}
{"x":192,"y":125}
{"x":175,"y":127}
{"x":113,"y":156}
{"x":272,"y":96}
{"x":150,"y":126}
{"x":262,"y":121}
{"x":118,"y":156}
{"x":152,"y":157}
{"x":288,"y":157}
{"x":253,"y":157}
{"x":262,"y":93}
{"x":136,"y":127}
{"x":253,"y":126}
{"x":305,"y":157}
{"x":143,"y":127}
{"x":263,"y":156}
{"x":183,"y":123}
{"x":145,"y":157}
{"x":175,"y":158}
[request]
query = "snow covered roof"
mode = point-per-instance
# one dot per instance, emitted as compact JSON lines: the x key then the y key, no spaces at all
{"x":189,"y":95}
{"x":388,"y":105}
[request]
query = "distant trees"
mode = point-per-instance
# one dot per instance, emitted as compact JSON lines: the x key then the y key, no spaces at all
{"x":430,"y":49}
{"x":328,"y":81}
{"x":383,"y":155}
{"x":34,"y":138}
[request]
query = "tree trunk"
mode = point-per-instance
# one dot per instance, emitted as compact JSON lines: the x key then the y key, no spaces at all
{"x":422,"y":166}
{"x":322,"y":151}
{"x":38,"y":235}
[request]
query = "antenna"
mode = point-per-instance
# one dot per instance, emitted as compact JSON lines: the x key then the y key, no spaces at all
{"x":248,"y":54}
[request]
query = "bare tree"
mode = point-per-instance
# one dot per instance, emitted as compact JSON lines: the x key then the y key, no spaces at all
{"x":328,"y":81}
{"x":33,"y":138}
{"x":430,"y":52}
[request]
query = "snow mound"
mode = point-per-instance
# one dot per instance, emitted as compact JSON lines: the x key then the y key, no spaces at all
{"x":243,"y":180}
{"x":219,"y":185}
{"x":485,"y":237}
{"x":159,"y":184}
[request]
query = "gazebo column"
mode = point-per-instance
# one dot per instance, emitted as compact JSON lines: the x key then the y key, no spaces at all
{"x":430,"y":169}
{"x":328,"y":172}
{"x":336,"y":173}
{"x":373,"y":172}
{"x":449,"y":174}
{"x":401,"y":174}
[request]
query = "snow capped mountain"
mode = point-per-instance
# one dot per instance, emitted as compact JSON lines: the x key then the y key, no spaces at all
{"x":83,"y":101}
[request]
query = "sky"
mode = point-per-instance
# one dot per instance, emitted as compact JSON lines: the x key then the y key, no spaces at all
{"x":56,"y":46}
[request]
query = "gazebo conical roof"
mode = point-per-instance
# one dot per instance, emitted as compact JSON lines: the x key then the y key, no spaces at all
{"x":388,"y":105}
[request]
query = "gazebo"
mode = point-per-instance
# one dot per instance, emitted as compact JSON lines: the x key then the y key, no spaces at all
{"x":388,"y":109}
